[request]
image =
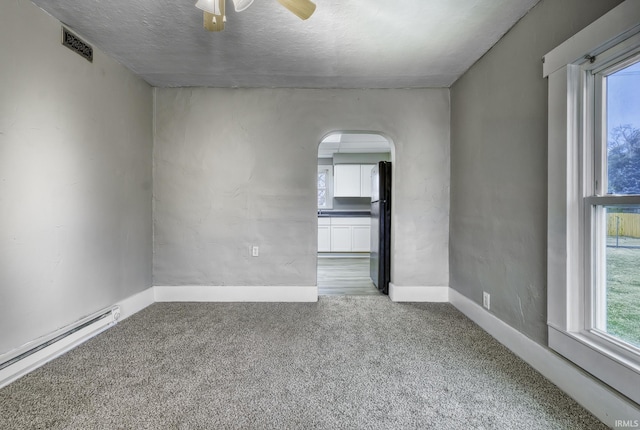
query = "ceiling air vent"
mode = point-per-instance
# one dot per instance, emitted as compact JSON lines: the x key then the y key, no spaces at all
{"x":77,"y":45}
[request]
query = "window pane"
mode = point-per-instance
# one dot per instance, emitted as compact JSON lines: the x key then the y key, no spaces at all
{"x":322,"y":198}
{"x":623,"y":129}
{"x":322,"y":179}
{"x":620,"y":299}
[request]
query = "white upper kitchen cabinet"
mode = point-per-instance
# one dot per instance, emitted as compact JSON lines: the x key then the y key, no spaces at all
{"x":346,"y":180}
{"x":352,"y":180}
{"x":365,"y":179}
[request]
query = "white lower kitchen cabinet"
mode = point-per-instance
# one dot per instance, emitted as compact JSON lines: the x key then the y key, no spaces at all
{"x":361,"y":238}
{"x":324,"y":238}
{"x":340,"y":238}
{"x":345,"y":234}
{"x":324,"y":234}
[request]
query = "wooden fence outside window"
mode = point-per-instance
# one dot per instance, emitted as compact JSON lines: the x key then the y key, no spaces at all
{"x":623,"y":224}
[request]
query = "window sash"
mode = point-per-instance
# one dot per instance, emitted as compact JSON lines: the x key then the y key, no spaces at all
{"x":596,"y":137}
{"x":595,"y":281}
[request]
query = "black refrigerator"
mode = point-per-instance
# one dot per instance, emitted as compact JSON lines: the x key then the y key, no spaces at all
{"x":380,"y":260}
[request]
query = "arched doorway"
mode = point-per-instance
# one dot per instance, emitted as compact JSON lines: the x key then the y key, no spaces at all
{"x":347,"y":233}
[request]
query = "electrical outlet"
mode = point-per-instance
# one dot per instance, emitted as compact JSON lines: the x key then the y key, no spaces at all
{"x":486,"y":300}
{"x":255,"y":251}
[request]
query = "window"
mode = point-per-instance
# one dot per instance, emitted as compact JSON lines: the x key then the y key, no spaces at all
{"x":593,"y":254}
{"x":325,"y":182}
{"x":612,"y":200}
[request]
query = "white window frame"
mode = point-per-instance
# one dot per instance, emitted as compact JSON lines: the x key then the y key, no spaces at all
{"x":572,"y":197}
{"x":329,"y":185}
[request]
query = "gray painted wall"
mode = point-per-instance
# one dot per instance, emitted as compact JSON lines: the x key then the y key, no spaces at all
{"x":75,"y":179}
{"x":237,"y":167}
{"x":499,"y":166}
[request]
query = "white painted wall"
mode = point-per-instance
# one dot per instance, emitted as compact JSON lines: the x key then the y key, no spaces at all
{"x":237,"y":167}
{"x":75,"y":179}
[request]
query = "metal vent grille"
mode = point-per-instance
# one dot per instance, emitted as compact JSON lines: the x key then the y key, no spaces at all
{"x":77,"y":45}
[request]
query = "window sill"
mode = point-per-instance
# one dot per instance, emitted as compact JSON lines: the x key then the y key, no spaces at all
{"x":599,"y":359}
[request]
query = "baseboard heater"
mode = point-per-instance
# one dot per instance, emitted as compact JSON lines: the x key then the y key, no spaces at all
{"x":32,"y":355}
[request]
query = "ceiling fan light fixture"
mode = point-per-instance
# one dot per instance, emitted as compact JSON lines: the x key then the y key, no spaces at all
{"x":241,"y":5}
{"x":303,"y":9}
{"x":213,"y":21}
{"x":214,"y":10}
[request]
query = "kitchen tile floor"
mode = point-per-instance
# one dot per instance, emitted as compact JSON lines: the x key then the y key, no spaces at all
{"x":344,"y":275}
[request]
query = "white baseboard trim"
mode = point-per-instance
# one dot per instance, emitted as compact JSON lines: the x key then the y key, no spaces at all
{"x":603,"y":402}
{"x":418,"y":294}
{"x":235,"y":294}
{"x":134,"y":304}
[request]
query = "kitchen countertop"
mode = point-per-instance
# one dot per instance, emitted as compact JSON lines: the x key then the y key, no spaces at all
{"x":342,"y":214}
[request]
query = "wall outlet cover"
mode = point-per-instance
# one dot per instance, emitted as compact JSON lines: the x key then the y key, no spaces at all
{"x":486,"y":300}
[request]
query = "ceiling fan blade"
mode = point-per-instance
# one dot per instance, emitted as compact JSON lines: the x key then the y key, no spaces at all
{"x":211,"y":6}
{"x":303,"y":9}
{"x":241,"y":5}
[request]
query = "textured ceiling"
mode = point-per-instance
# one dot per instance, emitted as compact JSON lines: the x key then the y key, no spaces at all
{"x":345,"y":44}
